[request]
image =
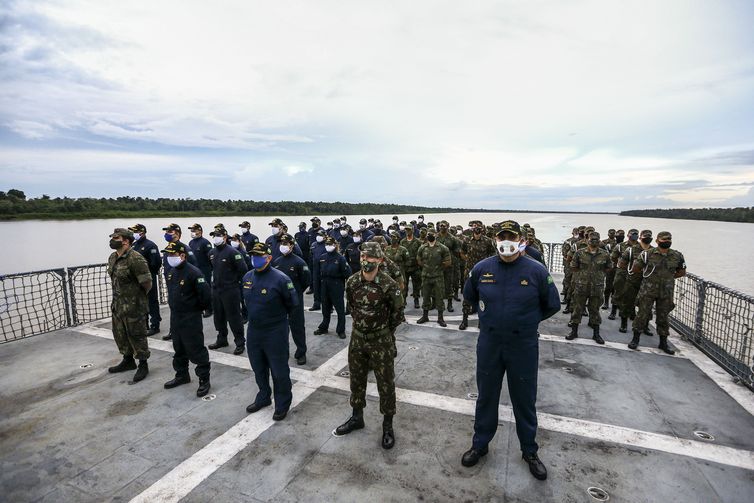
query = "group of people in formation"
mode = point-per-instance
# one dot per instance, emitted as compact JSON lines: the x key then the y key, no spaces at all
{"x":368,"y":271}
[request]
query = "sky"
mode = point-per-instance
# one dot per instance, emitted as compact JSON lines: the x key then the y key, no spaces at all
{"x":527,"y":105}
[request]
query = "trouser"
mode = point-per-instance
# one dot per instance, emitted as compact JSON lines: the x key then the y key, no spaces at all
{"x":154,"y":304}
{"x":207,"y":272}
{"x":188,"y":344}
{"x":628,"y":298}
{"x":415,"y":277}
{"x":590,"y":296}
{"x":518,"y":354}
{"x":619,"y":286}
{"x":268,"y":354}
{"x":663,"y":306}
{"x":332,"y":297}
{"x":227,"y":307}
{"x":609,"y":285}
{"x":466,"y":308}
{"x":460,"y":276}
{"x":447,"y":275}
{"x":567,"y":275}
{"x":316,"y":284}
{"x":296,"y":322}
{"x":433,"y":293}
{"x":375,"y":354}
{"x":130,"y":334}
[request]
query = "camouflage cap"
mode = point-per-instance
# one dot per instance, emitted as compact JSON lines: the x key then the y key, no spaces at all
{"x":175,"y":247}
{"x":219,"y":226}
{"x":329,"y":240}
{"x":402,"y":223}
{"x":245,"y":223}
{"x":429,"y":230}
{"x":588,"y":229}
{"x":431,"y":225}
{"x":372,"y":250}
{"x":620,"y":231}
{"x":195,"y":227}
{"x":219,"y":231}
{"x":138,"y":228}
{"x":664,"y":235}
{"x":172,"y":227}
{"x":286,"y":238}
{"x":509,"y":226}
{"x":633,"y":231}
{"x":611,"y":231}
{"x":646,"y":233}
{"x":594,"y":235}
{"x":277,"y":222}
{"x":122,"y":232}
{"x":260,"y":249}
{"x":380,"y":240}
{"x":581,"y":228}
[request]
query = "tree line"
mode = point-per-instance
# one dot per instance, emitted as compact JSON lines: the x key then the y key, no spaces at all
{"x":740,"y":214}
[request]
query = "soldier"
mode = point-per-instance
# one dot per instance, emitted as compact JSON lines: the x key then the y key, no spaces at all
{"x":619,"y":282}
{"x":458,"y":263}
{"x":564,"y":251}
{"x":201,"y":248}
{"x":316,"y":251}
{"x":608,"y":245}
{"x":247,"y":237}
{"x":228,"y":267}
{"x":277,"y":229}
{"x":148,"y":249}
{"x":433,"y":258}
{"x":475,"y":249}
{"x":399,"y":255}
{"x":420,"y":222}
{"x":131,"y":280}
{"x":296,"y":269}
{"x":334,"y":272}
{"x":173,"y":235}
{"x":302,"y":240}
{"x":188,"y":295}
{"x":633,"y":281}
{"x":353,"y":251}
{"x":453,"y":246}
{"x":659,"y":268}
{"x":413,"y":272}
{"x":388,"y":266}
{"x":589,"y":266}
{"x":575,"y":246}
{"x":344,"y":238}
{"x":270,"y":297}
{"x":376,"y":305}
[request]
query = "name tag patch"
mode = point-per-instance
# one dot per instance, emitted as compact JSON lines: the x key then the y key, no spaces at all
{"x":524,"y":282}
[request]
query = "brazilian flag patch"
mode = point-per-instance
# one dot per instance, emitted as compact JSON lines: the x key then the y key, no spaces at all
{"x":290,"y":285}
{"x":549,"y":280}
{"x":200,"y":280}
{"x":238,"y":256}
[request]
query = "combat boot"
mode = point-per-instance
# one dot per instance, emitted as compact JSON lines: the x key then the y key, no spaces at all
{"x":648,"y":332}
{"x":596,"y":335}
{"x":450,"y":305}
{"x":623,"y":325}
{"x":664,"y":345}
{"x":355,"y":422}
{"x":203,"y":388}
{"x":416,"y":302}
{"x":440,"y":320}
{"x":219,"y":343}
{"x":455,"y":297}
{"x":604,"y":306}
{"x":424,"y":318}
{"x":464,"y":323}
{"x":388,"y":437}
{"x":584,"y":313}
{"x":127,"y":363}
{"x":568,"y":309}
{"x":613,"y":312}
{"x":141,"y":371}
{"x":574,"y":333}
{"x":635,"y":341}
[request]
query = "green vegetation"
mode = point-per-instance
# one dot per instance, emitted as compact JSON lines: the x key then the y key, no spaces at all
{"x":718,"y":214}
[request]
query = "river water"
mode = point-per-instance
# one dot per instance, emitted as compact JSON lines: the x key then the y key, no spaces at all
{"x":722,"y":252}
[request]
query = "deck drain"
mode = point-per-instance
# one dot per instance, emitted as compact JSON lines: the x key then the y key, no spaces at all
{"x":598,"y":494}
{"x":86,"y":365}
{"x":704,"y":435}
{"x":345,"y":373}
{"x":413,"y":348}
{"x":209,"y":398}
{"x":472,"y":396}
{"x":568,"y":369}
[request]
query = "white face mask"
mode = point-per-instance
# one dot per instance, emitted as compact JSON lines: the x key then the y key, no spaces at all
{"x":274,"y":230}
{"x":522,"y":246}
{"x":194,"y":235}
{"x":320,"y":239}
{"x":421,"y":220}
{"x":329,"y":226}
{"x":174,"y":260}
{"x":234,"y":244}
{"x":336,"y":225}
{"x":137,"y":236}
{"x":507,"y":248}
{"x":329,"y":248}
{"x":357,"y":239}
{"x":285,"y":249}
{"x":362,"y":226}
{"x":244,"y":230}
{"x":218,"y":240}
{"x":344,"y":233}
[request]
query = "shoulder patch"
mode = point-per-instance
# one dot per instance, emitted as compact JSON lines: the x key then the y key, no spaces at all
{"x":200,"y":280}
{"x":549,"y":280}
{"x":306,"y":268}
{"x":238,"y":256}
{"x":290,"y":285}
{"x":154,"y":250}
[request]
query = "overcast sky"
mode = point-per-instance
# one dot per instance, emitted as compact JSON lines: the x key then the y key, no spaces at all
{"x":572,"y":105}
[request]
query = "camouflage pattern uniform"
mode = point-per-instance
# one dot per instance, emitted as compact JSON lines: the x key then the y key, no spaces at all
{"x":413,"y":272}
{"x":575,"y":247}
{"x":399,"y":256}
{"x":608,"y":245}
{"x":589,"y":269}
{"x":388,"y":266}
{"x":458,"y":264}
{"x":567,"y":273}
{"x":453,"y":246}
{"x":130,"y":304}
{"x":633,"y":280}
{"x":621,"y":273}
{"x":433,"y":260}
{"x":473,"y":250}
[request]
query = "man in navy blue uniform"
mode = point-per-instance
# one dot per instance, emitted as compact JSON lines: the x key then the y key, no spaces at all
{"x":201,"y":248}
{"x":334,"y":272}
{"x":270,"y":297}
{"x":353,"y":251}
{"x":317,"y":250}
{"x":344,"y":238}
{"x":512,"y":294}
{"x":188,"y":295}
{"x":247,"y":237}
{"x":228,"y":267}
{"x":173,"y":235}
{"x":366,"y":234}
{"x":148,"y":249}
{"x":277,"y":229}
{"x":296,"y":269}
{"x":302,"y":240}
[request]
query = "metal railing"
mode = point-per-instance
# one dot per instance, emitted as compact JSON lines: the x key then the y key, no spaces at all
{"x":716,"y":319}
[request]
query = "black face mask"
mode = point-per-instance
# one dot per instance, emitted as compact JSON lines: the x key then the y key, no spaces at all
{"x":431,"y":238}
{"x":633,"y":237}
{"x":116,"y":245}
{"x":619,"y":238}
{"x":646,"y":240}
{"x":581,"y":235}
{"x":477,"y":230}
{"x":594,"y":242}
{"x":315,"y":225}
{"x":664,"y":244}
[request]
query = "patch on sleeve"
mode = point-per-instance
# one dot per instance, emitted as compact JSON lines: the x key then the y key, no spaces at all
{"x":481,"y":305}
{"x":200,"y":280}
{"x":238,"y":256}
{"x":154,"y":250}
{"x":290,"y":285}
{"x":549,"y":280}
{"x":306,"y":268}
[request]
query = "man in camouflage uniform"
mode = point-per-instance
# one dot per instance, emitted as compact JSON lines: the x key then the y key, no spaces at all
{"x":633,"y":281}
{"x":445,"y":238}
{"x":564,"y":251}
{"x":399,"y":256}
{"x":474,"y":249}
{"x":575,"y":246}
{"x":388,"y":266}
{"x":376,"y":305}
{"x":413,"y":273}
{"x":458,"y":263}
{"x":433,"y":258}
{"x":659,"y":268}
{"x":131,"y":279}
{"x":619,"y":282}
{"x":608,"y":245}
{"x":589,"y":266}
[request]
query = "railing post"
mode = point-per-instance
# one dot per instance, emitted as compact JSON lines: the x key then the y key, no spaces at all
{"x":72,"y":290}
{"x":701,"y":288}
{"x":67,"y":297}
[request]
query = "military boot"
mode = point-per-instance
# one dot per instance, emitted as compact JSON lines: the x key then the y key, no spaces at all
{"x":664,"y":345}
{"x":127,"y":363}
{"x":648,"y":332}
{"x":440,"y":320}
{"x":203,"y":388}
{"x":219,"y":343}
{"x":416,"y":302}
{"x":388,"y":437}
{"x":450,"y":305}
{"x":455,"y":297}
{"x":464,"y":323}
{"x":635,"y":341}
{"x":141,"y":371}
{"x":596,"y":335}
{"x":623,"y":325}
{"x":604,"y":306}
{"x":574,"y":333}
{"x":355,"y":422}
{"x":424,"y":318}
{"x":568,"y":309}
{"x":584,"y":313}
{"x":613,"y":312}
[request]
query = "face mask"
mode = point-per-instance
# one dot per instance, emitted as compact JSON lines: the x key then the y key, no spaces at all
{"x":619,"y":238}
{"x":329,"y":248}
{"x":274,"y":230}
{"x":521,"y":247}
{"x":285,"y":249}
{"x":507,"y":248}
{"x":395,"y":221}
{"x":633,"y":237}
{"x":315,"y":225}
{"x":168,"y":237}
{"x":329,"y":226}
{"x":369,"y":266}
{"x":320,"y":239}
{"x":477,"y":230}
{"x":174,"y":261}
{"x":218,"y":240}
{"x":646,"y":240}
{"x":362,"y":226}
{"x":421,"y":220}
{"x":137,"y":236}
{"x":258,"y":261}
{"x":357,"y":239}
{"x":115,"y":245}
{"x":336,"y":226}
{"x":235,"y":244}
{"x":594,"y":242}
{"x":244,"y":230}
{"x":344,"y":233}
{"x":664,"y":244}
{"x":194,"y":235}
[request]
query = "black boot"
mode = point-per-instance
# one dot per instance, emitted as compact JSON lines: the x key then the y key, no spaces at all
{"x":648,"y":332}
{"x":596,"y":335}
{"x":388,"y":437}
{"x":664,"y":345}
{"x":623,"y":325}
{"x":416,"y":302}
{"x":127,"y":363}
{"x":450,"y":305}
{"x":613,"y":312}
{"x":455,"y":297}
{"x":203,"y":388}
{"x":464,"y":323}
{"x":141,"y":371}
{"x":574,"y":333}
{"x":568,"y":309}
{"x":440,"y":320}
{"x":219,"y":343}
{"x":424,"y":318}
{"x":604,"y":306}
{"x":177,"y":381}
{"x":635,"y":341}
{"x":355,"y":422}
